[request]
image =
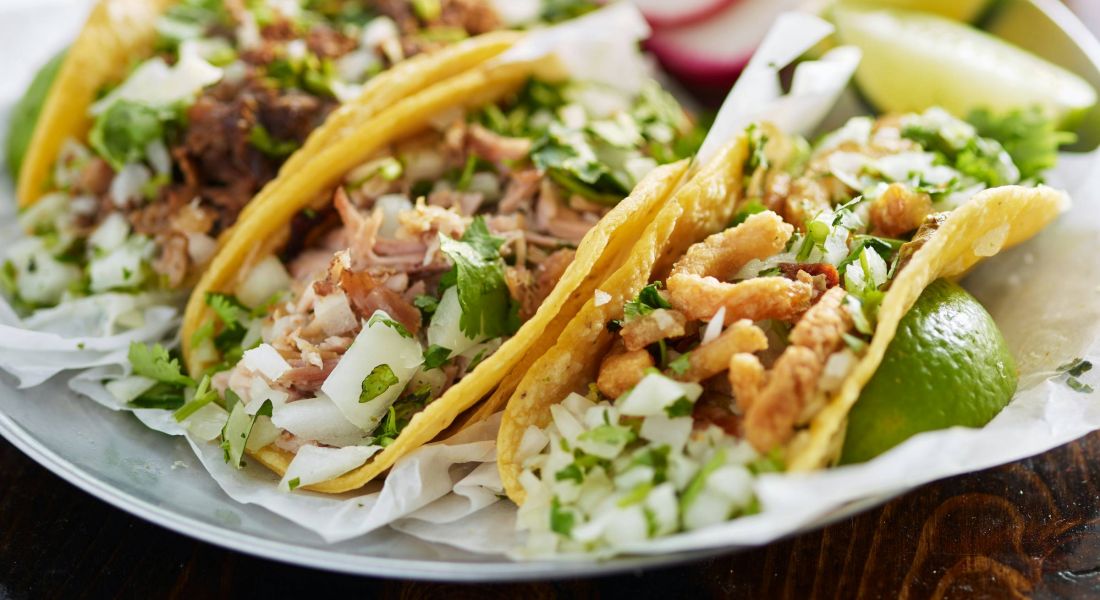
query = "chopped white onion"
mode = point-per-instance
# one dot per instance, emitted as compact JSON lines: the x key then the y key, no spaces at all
{"x":578,"y":405}
{"x":260,"y":392}
{"x":207,"y":422}
{"x":567,"y":423}
{"x":517,"y":12}
{"x":378,"y":343}
{"x":126,"y":389}
{"x":714,"y":327}
{"x":263,"y":434}
{"x":265,"y":359}
{"x":317,"y":419}
{"x":533,"y":442}
{"x":123,"y":266}
{"x":129,"y":184}
{"x":157,"y":154}
{"x":836,"y":370}
{"x":111,"y":233}
{"x":200,"y":247}
{"x":391,"y":206}
{"x":314,"y":464}
{"x":334,"y":313}
{"x":44,"y":213}
{"x":266,"y":279}
{"x":156,"y":83}
{"x":661,"y":429}
{"x":654,"y":393}
{"x":444,"y":329}
{"x":601,"y":298}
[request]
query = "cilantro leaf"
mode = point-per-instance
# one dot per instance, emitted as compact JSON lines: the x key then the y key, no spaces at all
{"x":380,"y":379}
{"x":401,"y":413}
{"x":394,"y":325}
{"x":436,"y":356}
{"x":427,"y":305}
{"x":680,"y":364}
{"x":648,"y":300}
{"x":681,"y":408}
{"x":228,"y":308}
{"x":122,"y":133}
{"x":261,"y":139}
{"x":571,"y":472}
{"x":155,"y":363}
{"x":162,"y":396}
{"x":612,"y":435}
{"x":747,"y":210}
{"x":561,"y":520}
{"x":1029,"y":137}
{"x":487,"y":307}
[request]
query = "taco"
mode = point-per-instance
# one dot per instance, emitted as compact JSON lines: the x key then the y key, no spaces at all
{"x":167,"y":117}
{"x":749,"y":317}
{"x":413,"y":268}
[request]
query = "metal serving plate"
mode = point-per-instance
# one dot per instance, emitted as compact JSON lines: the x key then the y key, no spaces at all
{"x":113,"y":457}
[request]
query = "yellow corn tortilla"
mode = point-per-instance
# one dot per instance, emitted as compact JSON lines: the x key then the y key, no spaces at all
{"x":264,"y":226}
{"x":115,"y":33}
{"x":994,"y":219}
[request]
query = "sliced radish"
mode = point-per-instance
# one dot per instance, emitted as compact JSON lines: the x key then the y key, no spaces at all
{"x":664,"y":14}
{"x":714,"y":52}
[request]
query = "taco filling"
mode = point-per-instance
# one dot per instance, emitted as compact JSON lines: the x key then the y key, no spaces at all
{"x":716,"y":371}
{"x":424,"y":261}
{"x":179,"y":147}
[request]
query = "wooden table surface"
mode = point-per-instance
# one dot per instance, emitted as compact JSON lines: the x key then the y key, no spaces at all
{"x":1030,"y":528}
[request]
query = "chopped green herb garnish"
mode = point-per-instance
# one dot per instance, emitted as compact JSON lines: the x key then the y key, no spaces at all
{"x":680,"y":364}
{"x":648,"y":300}
{"x":487,"y":307}
{"x":155,"y":363}
{"x":394,"y":325}
{"x":380,"y":379}
{"x":261,"y":140}
{"x":436,"y":356}
{"x":681,"y":408}
{"x":561,"y":520}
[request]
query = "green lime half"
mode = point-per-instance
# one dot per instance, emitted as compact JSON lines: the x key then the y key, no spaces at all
{"x":24,"y":115}
{"x":915,"y":60}
{"x":959,"y":10}
{"x":948,"y":365}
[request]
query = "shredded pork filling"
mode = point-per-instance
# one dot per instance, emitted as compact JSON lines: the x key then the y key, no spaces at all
{"x":388,"y":254}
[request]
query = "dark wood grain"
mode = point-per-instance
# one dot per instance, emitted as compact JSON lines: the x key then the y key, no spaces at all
{"x":1028,"y":529}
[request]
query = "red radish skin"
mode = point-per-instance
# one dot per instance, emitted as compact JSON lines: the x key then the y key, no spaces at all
{"x":714,"y":52}
{"x":668,"y":14}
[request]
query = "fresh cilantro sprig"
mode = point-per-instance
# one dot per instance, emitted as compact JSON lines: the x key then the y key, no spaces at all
{"x":156,"y":363}
{"x":648,"y":300}
{"x":478,"y":274}
{"x":1029,"y":137}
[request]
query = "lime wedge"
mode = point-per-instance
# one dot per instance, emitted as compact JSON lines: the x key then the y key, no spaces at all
{"x":948,"y":365}
{"x":913,"y":60}
{"x":959,"y":10}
